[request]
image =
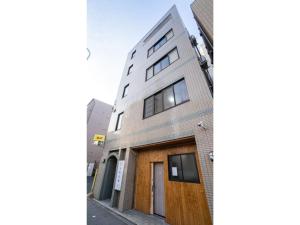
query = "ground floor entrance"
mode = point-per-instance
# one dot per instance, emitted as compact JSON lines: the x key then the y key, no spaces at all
{"x":168,"y":183}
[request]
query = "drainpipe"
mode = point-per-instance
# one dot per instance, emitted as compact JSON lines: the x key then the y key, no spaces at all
{"x":203,"y":64}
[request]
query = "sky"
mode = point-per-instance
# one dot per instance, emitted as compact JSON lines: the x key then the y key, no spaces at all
{"x":113,"y":28}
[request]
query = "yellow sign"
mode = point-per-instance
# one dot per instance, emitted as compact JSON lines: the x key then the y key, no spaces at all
{"x":99,"y":137}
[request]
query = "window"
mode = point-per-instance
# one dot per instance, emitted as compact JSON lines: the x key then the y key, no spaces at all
{"x":181,"y":94}
{"x":161,"y":64}
{"x":129,"y":69}
{"x":166,"y":98}
{"x":149,"y":106}
{"x":183,"y":168}
{"x":160,"y":42}
{"x":133,"y":54}
{"x":125,"y":90}
{"x":119,"y":121}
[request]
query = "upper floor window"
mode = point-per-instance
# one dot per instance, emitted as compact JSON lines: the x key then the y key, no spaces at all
{"x":129,"y":69}
{"x":183,"y":168}
{"x":125,"y":91}
{"x":160,"y":42}
{"x":133,"y":54}
{"x":166,"y":98}
{"x":162,"y":63}
{"x":119,"y":121}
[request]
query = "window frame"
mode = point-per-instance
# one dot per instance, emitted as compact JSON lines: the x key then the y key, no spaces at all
{"x":125,"y":87}
{"x":159,"y":40}
{"x":163,"y":103}
{"x":133,"y":54}
{"x":183,"y":180}
{"x":118,"y":120}
{"x":159,"y":61}
{"x":129,"y":69}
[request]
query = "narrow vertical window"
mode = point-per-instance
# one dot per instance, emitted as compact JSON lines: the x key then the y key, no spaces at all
{"x":133,"y":54}
{"x":173,"y":55}
{"x":119,"y":121}
{"x":149,"y":107}
{"x":149,"y":73}
{"x":125,"y":90}
{"x":129,"y":69}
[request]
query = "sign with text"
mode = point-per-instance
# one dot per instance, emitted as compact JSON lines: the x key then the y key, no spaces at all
{"x":119,"y":175}
{"x":99,"y":137}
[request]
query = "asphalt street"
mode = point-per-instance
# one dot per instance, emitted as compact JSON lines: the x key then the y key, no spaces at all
{"x":98,"y":215}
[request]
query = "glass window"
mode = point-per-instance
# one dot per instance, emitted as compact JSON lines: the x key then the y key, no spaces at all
{"x":189,"y":168}
{"x":119,"y":121}
{"x":130,"y":69}
{"x":149,"y":107}
{"x":173,"y":56}
{"x":133,"y":54}
{"x":169,"y":35}
{"x":168,"y":97}
{"x":164,"y":63}
{"x":158,"y":101}
{"x":149,"y":72}
{"x":157,"y":68}
{"x":125,"y":91}
{"x":183,"y":168}
{"x":180,"y":90}
{"x":150,"y":51}
{"x":175,"y":170}
{"x":162,"y":41}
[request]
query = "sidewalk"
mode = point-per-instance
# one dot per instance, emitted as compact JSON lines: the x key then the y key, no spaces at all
{"x":99,"y":215}
{"x":134,"y":216}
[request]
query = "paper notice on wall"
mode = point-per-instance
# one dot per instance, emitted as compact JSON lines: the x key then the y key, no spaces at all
{"x":174,"y":172}
{"x":119,"y":175}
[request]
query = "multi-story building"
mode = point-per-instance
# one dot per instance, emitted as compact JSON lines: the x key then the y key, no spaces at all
{"x":98,"y":117}
{"x":157,"y":156}
{"x":203,"y":14}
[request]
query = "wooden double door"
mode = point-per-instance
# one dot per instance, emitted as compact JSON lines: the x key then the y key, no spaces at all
{"x":181,"y":203}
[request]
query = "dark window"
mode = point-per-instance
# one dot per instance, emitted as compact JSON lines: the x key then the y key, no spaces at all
{"x":119,"y":121}
{"x":166,"y":98}
{"x":149,"y":106}
{"x":133,"y":54}
{"x":160,"y":42}
{"x":129,"y":69}
{"x":158,"y":101}
{"x":162,"y":63}
{"x":180,"y":90}
{"x":183,"y":168}
{"x":125,"y":90}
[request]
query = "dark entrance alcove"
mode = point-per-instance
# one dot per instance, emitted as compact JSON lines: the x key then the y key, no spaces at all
{"x":109,"y":177}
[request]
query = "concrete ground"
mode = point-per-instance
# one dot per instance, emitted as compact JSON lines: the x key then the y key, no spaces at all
{"x":98,"y":215}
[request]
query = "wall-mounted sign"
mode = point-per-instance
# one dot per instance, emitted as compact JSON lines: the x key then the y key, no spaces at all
{"x":119,"y":175}
{"x":99,"y":137}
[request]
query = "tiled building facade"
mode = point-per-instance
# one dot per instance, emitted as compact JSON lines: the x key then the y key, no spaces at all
{"x":161,"y":102}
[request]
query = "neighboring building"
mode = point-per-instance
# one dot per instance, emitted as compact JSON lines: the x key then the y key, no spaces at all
{"x":160,"y":137}
{"x":98,"y":116}
{"x":203,"y":14}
